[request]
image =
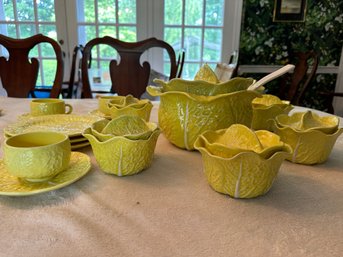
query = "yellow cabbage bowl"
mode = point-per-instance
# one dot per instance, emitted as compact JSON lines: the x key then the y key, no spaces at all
{"x":189,"y":108}
{"x":122,"y":155}
{"x":265,"y":109}
{"x":311,"y":139}
{"x":129,"y":105}
{"x":246,"y":172}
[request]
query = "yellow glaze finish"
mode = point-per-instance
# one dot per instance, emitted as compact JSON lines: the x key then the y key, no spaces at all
{"x":71,"y":125}
{"x":103,"y":103}
{"x":306,"y":121}
{"x":122,"y":156}
{"x":11,"y":185}
{"x":49,"y":106}
{"x":309,"y":146}
{"x":244,"y":175}
{"x":100,"y":114}
{"x":265,"y":109}
{"x":189,"y":108}
{"x":131,"y":127}
{"x":207,"y":74}
{"x":37,"y":156}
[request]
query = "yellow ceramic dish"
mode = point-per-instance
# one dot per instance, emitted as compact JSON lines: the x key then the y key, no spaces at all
{"x":10,"y":185}
{"x":131,"y":127}
{"x":69,"y":124}
{"x":207,"y":74}
{"x":265,"y":109}
{"x":309,"y":146}
{"x":244,"y":175}
{"x":122,"y":156}
{"x":103,"y":103}
{"x":100,"y":114}
{"x":189,"y":108}
{"x":37,"y":156}
{"x":130,"y":105}
{"x":306,"y":121}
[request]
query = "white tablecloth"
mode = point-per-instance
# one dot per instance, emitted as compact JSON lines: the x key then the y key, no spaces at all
{"x":170,"y":210}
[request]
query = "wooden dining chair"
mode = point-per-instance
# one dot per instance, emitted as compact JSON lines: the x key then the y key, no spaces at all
{"x":294,"y":85}
{"x":71,"y":87}
{"x":19,"y":73}
{"x":128,"y":75}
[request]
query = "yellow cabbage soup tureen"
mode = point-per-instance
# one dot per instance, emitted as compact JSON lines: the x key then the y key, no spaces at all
{"x":265,"y":109}
{"x":189,"y":108}
{"x":123,"y":146}
{"x":311,"y":136}
{"x":240,"y":162}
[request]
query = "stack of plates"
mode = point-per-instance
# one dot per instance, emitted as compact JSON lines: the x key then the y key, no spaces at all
{"x":69,"y":124}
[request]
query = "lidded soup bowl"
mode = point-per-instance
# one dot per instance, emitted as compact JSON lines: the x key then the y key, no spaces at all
{"x":265,"y":109}
{"x":189,"y":108}
{"x":311,"y":136}
{"x":240,"y":162}
{"x":123,"y":146}
{"x":129,"y":105}
{"x":37,"y":156}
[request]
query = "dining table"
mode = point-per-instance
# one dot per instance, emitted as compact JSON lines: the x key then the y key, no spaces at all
{"x":170,"y":210}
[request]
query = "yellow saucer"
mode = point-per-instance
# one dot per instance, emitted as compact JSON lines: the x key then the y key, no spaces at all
{"x":10,"y":185}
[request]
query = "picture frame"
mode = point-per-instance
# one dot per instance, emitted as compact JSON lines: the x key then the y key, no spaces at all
{"x":289,"y":10}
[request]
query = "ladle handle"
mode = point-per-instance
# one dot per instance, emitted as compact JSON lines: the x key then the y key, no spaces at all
{"x":271,"y":76}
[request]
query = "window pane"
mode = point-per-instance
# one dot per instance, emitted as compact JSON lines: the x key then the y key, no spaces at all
{"x":47,"y":50}
{"x":48,"y":30}
{"x":173,"y":37}
{"x":127,"y":34}
{"x":173,"y":12}
{"x":86,"y":33}
{"x":46,"y":10}
{"x":107,"y":52}
{"x":49,"y":68}
{"x":189,"y":70}
{"x":25,"y":10}
{"x":214,"y":12}
{"x":86,"y":10}
{"x":192,"y":44}
{"x":193,"y":12}
{"x":107,"y":11}
{"x":27,"y":30}
{"x":212,"y":45}
{"x":8,"y":11}
{"x":127,"y":11}
{"x":107,"y":31}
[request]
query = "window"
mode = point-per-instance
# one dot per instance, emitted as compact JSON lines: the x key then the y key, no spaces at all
{"x":194,"y":25}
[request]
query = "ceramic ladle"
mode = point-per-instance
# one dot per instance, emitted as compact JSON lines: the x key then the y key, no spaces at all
{"x":271,"y":76}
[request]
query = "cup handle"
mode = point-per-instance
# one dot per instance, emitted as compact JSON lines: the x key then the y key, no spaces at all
{"x":70,"y":108}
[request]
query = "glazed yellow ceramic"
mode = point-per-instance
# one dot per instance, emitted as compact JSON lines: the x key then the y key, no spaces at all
{"x":49,"y":106}
{"x":244,"y":175}
{"x":188,"y":108}
{"x":103,"y":103}
{"x":207,"y":74}
{"x":37,"y":156}
{"x":100,"y":114}
{"x":265,"y":109}
{"x":309,"y":146}
{"x":69,"y":124}
{"x":238,"y":138}
{"x":10,"y":185}
{"x":122,"y":156}
{"x":130,"y":105}
{"x":305,"y":121}
{"x":131,"y":127}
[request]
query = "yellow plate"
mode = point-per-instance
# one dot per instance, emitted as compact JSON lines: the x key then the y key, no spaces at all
{"x":69,"y":124}
{"x":10,"y":185}
{"x":100,"y":114}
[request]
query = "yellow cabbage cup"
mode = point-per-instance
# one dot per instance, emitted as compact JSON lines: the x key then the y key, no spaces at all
{"x":129,"y":105}
{"x":310,"y":146}
{"x":37,"y":156}
{"x":122,"y":156}
{"x":244,"y":173}
{"x":189,"y":108}
{"x":265,"y":109}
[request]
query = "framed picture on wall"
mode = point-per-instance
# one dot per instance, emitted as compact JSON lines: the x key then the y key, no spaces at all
{"x":289,"y":10}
